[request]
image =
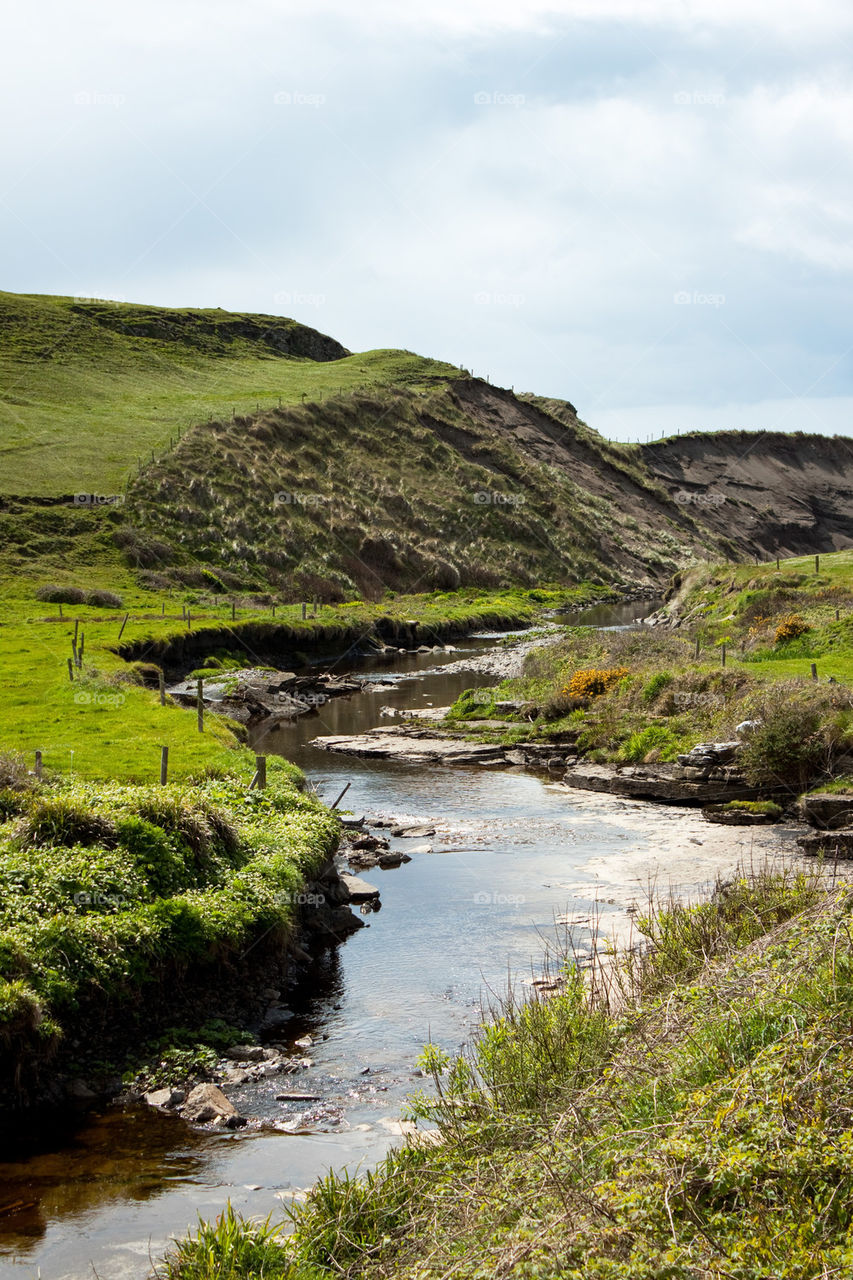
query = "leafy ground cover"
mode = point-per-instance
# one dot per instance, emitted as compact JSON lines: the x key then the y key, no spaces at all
{"x":108,"y":891}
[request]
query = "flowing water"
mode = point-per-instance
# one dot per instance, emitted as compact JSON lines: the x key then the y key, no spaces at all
{"x":512,"y":852}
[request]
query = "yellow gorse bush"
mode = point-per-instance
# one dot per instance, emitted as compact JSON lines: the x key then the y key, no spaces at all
{"x":791,"y":626}
{"x":594,"y":681}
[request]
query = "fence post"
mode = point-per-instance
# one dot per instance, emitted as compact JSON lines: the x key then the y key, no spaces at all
{"x":38,"y":765}
{"x":60,"y":612}
{"x":814,"y":671}
{"x":260,"y":779}
{"x":199,"y":702}
{"x":76,"y":629}
{"x":723,"y":655}
{"x":123,"y":625}
{"x":70,"y":670}
{"x":777,"y":564}
{"x":164,"y":765}
{"x":817,"y":564}
{"x":696,"y":655}
{"x":304,"y":611}
{"x":233,"y":611}
{"x":161,"y":681}
{"x":189,"y":621}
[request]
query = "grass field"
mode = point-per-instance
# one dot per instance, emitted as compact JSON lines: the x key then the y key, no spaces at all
{"x":84,"y":401}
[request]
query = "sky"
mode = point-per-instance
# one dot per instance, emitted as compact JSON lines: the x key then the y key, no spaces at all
{"x":641,"y":206}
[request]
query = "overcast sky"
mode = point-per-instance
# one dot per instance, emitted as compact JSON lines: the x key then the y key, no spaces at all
{"x":643,"y":206}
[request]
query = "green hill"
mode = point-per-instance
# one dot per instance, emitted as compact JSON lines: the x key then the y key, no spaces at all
{"x":249,"y":453}
{"x":90,"y":389}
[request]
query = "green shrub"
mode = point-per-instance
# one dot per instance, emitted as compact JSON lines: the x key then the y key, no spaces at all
{"x":662,"y":680}
{"x":786,"y":749}
{"x":655,"y":738}
{"x":62,"y":820}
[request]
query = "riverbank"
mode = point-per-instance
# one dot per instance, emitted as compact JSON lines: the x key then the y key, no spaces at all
{"x":686,"y":1110}
{"x":128,"y":910}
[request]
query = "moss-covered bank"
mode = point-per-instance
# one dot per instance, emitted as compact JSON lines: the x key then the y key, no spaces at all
{"x":114,"y":898}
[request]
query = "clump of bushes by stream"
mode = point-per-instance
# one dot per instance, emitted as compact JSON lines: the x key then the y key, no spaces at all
{"x":643,"y":696}
{"x":111,"y":892}
{"x":683,"y":1111}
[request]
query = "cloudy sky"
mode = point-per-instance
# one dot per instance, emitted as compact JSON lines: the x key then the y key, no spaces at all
{"x":643,"y":206}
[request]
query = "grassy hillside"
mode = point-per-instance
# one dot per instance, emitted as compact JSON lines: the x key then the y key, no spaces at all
{"x":89,"y":389}
{"x":685,"y":1114}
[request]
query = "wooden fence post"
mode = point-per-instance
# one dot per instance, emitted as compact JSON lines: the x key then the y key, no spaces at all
{"x":70,"y":670}
{"x":259,"y":781}
{"x":199,"y":702}
{"x":814,"y":671}
{"x":123,"y":625}
{"x":76,"y":629}
{"x":38,"y":765}
{"x":696,"y":654}
{"x":161,"y":681}
{"x":304,"y":611}
{"x":723,"y":655}
{"x":164,"y":765}
{"x":233,"y":611}
{"x":817,"y":564}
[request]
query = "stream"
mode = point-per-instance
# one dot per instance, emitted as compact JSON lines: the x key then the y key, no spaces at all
{"x":512,"y":854}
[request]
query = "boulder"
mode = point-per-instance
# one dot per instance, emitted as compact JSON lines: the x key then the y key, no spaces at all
{"x":207,"y":1102}
{"x":413,"y":833}
{"x":828,"y":811}
{"x":246,"y":1053}
{"x":831,"y":844}
{"x":359,"y":890}
{"x":163,"y":1097}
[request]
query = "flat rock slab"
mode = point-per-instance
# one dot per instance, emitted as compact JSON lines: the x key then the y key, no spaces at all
{"x":391,"y":744}
{"x":653,"y":783}
{"x":359,"y":890}
{"x":414,"y":833}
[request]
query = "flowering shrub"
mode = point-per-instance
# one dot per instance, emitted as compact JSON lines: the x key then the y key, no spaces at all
{"x":594,"y":681}
{"x":791,"y":626}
